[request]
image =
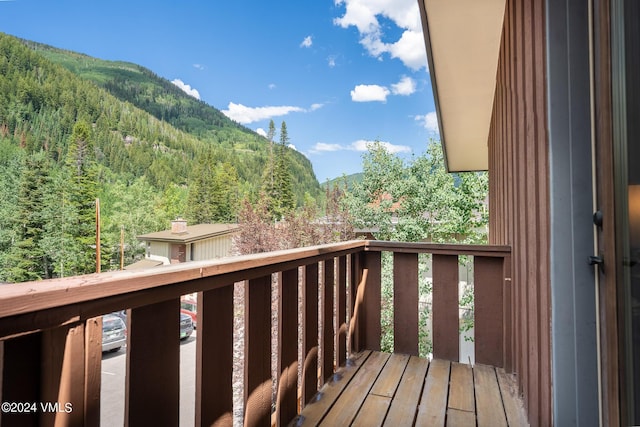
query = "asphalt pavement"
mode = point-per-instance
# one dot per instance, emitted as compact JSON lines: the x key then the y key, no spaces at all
{"x":112,"y":391}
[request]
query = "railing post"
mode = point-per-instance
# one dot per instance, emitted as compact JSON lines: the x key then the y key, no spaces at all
{"x":446,"y":320}
{"x":93,"y":371}
{"x":327,"y":341}
{"x":63,"y":374}
{"x":257,"y":352}
{"x":152,"y":395}
{"x":214,"y":358}
{"x":405,"y":303}
{"x":286,"y":407}
{"x":488,"y":310}
{"x":310,"y":333}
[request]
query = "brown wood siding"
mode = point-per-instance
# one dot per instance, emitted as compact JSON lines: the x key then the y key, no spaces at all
{"x":519,"y":196}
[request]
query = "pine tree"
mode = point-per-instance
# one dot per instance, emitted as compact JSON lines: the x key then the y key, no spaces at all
{"x":268,"y":187}
{"x":81,"y":167}
{"x":213,"y":191}
{"x":283,"y":179}
{"x":26,"y":259}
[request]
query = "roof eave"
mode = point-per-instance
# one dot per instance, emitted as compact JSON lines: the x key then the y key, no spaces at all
{"x":462,"y":40}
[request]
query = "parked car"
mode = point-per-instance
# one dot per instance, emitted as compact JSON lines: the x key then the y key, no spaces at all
{"x":186,"y":326}
{"x":114,"y":333}
{"x":189,"y":306}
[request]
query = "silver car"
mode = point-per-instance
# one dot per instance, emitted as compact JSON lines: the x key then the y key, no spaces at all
{"x":114,"y":333}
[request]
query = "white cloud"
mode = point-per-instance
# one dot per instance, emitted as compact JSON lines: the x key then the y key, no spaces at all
{"x":293,"y":147}
{"x":406,"y":86}
{"x":324,"y":147}
{"x":199,"y":66}
{"x":368,"y":93}
{"x":243,"y":114}
{"x":410,"y":50}
{"x":331,"y":61}
{"x":359,"y":145}
{"x":307,"y":42}
{"x":186,"y":88}
{"x":364,"y":15}
{"x":429,"y":121}
{"x":261,"y":132}
{"x":272,"y":86}
{"x":363,"y":145}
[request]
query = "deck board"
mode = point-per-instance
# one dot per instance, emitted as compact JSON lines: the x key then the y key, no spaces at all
{"x":373,"y":411}
{"x":512,"y":404}
{"x":490,"y":409}
{"x":403,"y":407}
{"x":324,"y":399}
{"x":397,"y":390}
{"x":433,"y":406}
{"x":389,"y":378}
{"x":461,"y":392}
{"x":346,"y":408}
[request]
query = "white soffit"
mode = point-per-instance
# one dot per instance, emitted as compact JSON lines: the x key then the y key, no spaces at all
{"x":464,"y":37}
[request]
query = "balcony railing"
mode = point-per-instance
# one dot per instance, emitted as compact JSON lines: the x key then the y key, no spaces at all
{"x":51,"y":335}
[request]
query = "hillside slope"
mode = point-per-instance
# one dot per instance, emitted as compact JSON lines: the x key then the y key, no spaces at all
{"x":115,"y":96}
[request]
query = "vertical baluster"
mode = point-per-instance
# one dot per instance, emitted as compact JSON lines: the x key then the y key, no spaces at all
{"x":446,"y":340}
{"x":370,"y":327}
{"x":405,"y":303}
{"x":286,"y":407}
{"x":356,"y":289}
{"x":152,"y":387}
{"x":488,"y":319}
{"x":310,"y":333}
{"x":20,"y":361}
{"x":93,"y":367}
{"x":214,"y":358}
{"x":257,"y":352}
{"x":328,"y":285}
{"x":341,"y":312}
{"x":63,"y":374}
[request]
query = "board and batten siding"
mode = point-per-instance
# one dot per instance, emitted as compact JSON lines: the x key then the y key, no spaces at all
{"x":216,"y":247}
{"x":159,"y":249}
{"x":519,"y":197}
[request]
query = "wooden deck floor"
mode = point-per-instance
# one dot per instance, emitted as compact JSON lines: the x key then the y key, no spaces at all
{"x":376,"y":389}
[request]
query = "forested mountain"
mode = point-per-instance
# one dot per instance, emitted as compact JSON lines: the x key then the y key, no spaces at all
{"x":74,"y":128}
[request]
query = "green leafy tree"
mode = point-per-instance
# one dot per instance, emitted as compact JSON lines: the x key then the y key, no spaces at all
{"x":416,"y":201}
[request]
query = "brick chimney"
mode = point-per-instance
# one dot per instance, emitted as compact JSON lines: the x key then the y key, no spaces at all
{"x":178,"y":226}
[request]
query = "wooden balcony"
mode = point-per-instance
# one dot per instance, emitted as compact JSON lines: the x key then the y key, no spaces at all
{"x":328,"y":315}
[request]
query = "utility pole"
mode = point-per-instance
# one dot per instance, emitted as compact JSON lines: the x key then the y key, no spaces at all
{"x":97,"y":235}
{"x":122,"y":247}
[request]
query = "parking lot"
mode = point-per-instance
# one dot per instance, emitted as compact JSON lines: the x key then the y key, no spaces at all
{"x":112,"y":391}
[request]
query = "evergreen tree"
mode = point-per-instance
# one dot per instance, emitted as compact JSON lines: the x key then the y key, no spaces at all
{"x":83,"y":173}
{"x":213,"y":191}
{"x":26,"y":259}
{"x":285,"y":201}
{"x":268,"y":187}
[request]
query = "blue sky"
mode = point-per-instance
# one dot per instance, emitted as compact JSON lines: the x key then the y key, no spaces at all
{"x":340,"y":73}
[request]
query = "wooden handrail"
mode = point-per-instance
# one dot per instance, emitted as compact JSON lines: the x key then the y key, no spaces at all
{"x":50,"y":322}
{"x":78,"y":298}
